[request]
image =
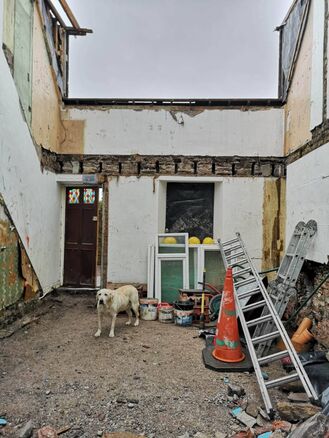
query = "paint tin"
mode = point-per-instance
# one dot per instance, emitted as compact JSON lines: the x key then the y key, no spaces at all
{"x":166,"y":313}
{"x":148,"y":309}
{"x":183,"y":312}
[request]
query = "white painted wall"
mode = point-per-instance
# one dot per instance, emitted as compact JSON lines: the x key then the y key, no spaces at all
{"x":137,"y":211}
{"x":33,"y":198}
{"x":308,"y":198}
{"x":317,"y":63}
{"x":158,"y":132}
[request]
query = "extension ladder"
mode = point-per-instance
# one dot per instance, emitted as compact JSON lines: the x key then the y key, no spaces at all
{"x":234,"y":255}
{"x":283,"y":287}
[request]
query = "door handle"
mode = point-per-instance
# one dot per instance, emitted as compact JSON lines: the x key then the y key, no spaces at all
{"x":94,"y":219}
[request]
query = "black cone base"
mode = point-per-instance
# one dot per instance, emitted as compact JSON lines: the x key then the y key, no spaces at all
{"x":217,"y":365}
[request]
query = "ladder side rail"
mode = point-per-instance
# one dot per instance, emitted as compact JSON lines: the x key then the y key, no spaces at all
{"x":310,"y":391}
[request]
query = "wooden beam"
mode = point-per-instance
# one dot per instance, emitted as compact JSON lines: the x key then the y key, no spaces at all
{"x":69,"y":13}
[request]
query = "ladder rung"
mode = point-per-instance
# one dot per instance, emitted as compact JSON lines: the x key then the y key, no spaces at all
{"x":233,"y":256}
{"x":242,"y":271}
{"x":232,"y":248}
{"x":282,"y":380}
{"x":248,"y":293}
{"x":253,"y":306}
{"x":249,"y":280}
{"x":289,"y":254}
{"x":259,"y":320}
{"x":273,"y":357}
{"x":240,"y":262}
{"x":266,"y":337}
{"x":229,"y":242}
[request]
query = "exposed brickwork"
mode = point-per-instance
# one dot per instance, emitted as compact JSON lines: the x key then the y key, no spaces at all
{"x":152,"y":165}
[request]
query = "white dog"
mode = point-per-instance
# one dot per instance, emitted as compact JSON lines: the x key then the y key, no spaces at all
{"x":112,"y":302}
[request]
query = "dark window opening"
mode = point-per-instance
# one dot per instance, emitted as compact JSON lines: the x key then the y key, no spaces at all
{"x":190,"y":209}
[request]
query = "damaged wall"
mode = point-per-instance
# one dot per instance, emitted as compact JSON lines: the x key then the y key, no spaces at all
{"x":298,"y":106}
{"x":158,"y":131}
{"x":33,"y":198}
{"x":11,"y":281}
{"x":133,"y":224}
{"x":308,"y":198}
{"x":47,"y":128}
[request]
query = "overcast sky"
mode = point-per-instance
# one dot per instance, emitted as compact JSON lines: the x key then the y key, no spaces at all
{"x":176,"y":48}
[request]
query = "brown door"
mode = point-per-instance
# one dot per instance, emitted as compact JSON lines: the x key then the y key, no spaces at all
{"x":80,"y":236}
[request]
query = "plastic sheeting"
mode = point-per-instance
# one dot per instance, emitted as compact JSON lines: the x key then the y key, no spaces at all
{"x":190,"y":209}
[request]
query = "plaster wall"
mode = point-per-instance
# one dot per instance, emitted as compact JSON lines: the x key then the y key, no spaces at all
{"x":161,"y":131}
{"x":32,"y":197}
{"x":137,"y":212}
{"x":308,"y":198}
{"x":47,"y":128}
{"x":317,"y":63}
{"x":298,"y":106}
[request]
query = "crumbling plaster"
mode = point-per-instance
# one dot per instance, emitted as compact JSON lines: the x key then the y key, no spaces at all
{"x":47,"y":126}
{"x":136,"y":215}
{"x":162,"y":131}
{"x":33,"y":198}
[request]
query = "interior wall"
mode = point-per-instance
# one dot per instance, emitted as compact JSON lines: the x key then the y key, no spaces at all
{"x":308,"y":198}
{"x":47,"y":128}
{"x":32,"y":197}
{"x":137,"y":212}
{"x":298,"y":106}
{"x":165,"y":131}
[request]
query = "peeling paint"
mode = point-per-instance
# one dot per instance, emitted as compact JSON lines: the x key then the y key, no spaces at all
{"x":274,"y":213}
{"x":298,"y":107}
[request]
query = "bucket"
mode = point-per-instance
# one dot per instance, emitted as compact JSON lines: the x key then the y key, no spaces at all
{"x":148,"y":308}
{"x":183,"y":312}
{"x":166,"y":312}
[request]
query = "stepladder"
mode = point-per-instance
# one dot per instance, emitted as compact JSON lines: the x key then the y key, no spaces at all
{"x":247,"y":283}
{"x":282,"y":288}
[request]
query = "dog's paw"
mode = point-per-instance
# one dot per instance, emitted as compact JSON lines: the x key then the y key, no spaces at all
{"x":136,"y":323}
{"x":111,"y":335}
{"x":128,"y":322}
{"x":97,"y":334}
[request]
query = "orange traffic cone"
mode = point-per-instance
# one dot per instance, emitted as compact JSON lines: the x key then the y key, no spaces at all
{"x":227,"y":340}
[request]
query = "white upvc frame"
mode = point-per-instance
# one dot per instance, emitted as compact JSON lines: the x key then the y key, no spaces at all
{"x":201,"y":250}
{"x":162,"y":257}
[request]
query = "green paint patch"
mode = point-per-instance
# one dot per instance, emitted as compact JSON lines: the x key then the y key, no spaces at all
{"x":227,"y":343}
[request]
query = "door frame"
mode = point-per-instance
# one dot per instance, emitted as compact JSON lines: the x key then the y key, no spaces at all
{"x":65,"y":181}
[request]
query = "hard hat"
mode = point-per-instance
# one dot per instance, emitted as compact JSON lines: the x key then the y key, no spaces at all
{"x":169,"y":239}
{"x":194,"y":240}
{"x":208,"y":241}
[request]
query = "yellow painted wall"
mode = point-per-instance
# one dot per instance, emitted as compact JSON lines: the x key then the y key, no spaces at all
{"x":274,"y":216}
{"x":47,"y":128}
{"x":298,"y":107}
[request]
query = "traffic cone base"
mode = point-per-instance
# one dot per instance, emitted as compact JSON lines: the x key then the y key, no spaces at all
{"x":227,"y":347}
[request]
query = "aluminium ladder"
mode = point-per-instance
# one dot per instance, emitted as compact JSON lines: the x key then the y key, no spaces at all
{"x":283,"y":287}
{"x":234,"y":255}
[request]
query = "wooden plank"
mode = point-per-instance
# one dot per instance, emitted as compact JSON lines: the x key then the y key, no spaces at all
{"x":69,"y":14}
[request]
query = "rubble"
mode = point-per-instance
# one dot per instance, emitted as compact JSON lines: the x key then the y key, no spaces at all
{"x":26,"y":430}
{"x":235,"y":390}
{"x":315,"y":427}
{"x":294,"y":412}
{"x":47,"y":432}
{"x":299,"y":397}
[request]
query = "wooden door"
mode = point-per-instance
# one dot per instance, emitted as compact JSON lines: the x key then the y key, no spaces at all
{"x":80,"y":236}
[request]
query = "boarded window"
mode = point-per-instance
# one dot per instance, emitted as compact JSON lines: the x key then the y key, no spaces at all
{"x":190,"y":209}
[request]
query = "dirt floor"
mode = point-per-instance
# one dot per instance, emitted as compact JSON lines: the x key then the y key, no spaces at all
{"x":149,"y":380}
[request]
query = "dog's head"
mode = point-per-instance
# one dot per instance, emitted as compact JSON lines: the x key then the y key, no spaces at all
{"x":104,"y":297}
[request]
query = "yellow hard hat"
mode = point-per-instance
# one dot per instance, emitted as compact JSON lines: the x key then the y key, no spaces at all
{"x":208,"y":241}
{"x":194,"y":240}
{"x":169,"y":239}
